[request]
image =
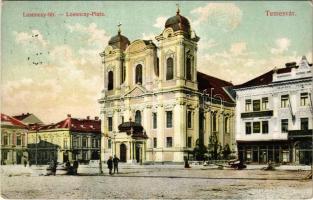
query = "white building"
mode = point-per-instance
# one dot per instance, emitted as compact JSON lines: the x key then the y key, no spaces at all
{"x":152,"y":109}
{"x":274,"y":116}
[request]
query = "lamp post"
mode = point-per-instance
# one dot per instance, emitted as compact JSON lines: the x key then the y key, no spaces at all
{"x":100,"y":160}
{"x":36,"y":147}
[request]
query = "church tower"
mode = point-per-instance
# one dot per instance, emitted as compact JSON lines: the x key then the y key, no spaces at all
{"x":178,"y":53}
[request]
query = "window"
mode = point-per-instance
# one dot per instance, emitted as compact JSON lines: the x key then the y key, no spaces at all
{"x":189,"y":142}
{"x":169,"y":141}
{"x":226,"y":125}
{"x":284,"y":125}
{"x":155,"y":142}
{"x":248,"y":128}
{"x":18,"y":140}
{"x":138,"y":117}
{"x":110,"y":123}
{"x":265,"y":103}
{"x":189,"y":120}
{"x":65,"y":143}
{"x":139,"y":74}
{"x":110,"y":83}
{"x":214,"y":123}
{"x":109,"y":143}
{"x":248,"y":105}
{"x":156,"y":70}
{"x":75,"y":142}
{"x":284,"y":101}
{"x":256,"y":105}
{"x":264,"y":126}
{"x":123,"y":74}
{"x":256,"y":127}
{"x":169,"y":119}
{"x":84,"y":141}
{"x":122,"y":119}
{"x":188,"y":69}
{"x":5,"y":140}
{"x":169,"y":69}
{"x":155,"y":120}
{"x":304,"y":123}
{"x":304,"y":99}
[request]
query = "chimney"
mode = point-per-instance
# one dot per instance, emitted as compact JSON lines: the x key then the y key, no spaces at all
{"x":96,"y":118}
{"x":69,"y":115}
{"x":290,"y":65}
{"x":88,"y":117}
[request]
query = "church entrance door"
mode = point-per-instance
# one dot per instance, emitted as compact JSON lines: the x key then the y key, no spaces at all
{"x":123,"y":151}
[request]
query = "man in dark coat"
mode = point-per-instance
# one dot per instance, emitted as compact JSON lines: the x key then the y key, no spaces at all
{"x":110,"y":165}
{"x":115,"y":163}
{"x":75,"y":167}
{"x":54,"y":167}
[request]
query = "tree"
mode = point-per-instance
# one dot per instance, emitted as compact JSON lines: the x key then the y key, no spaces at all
{"x":226,"y":151}
{"x":214,"y":147}
{"x":200,"y":151}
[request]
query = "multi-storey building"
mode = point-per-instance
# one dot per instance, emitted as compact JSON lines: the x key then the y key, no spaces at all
{"x":13,"y":140}
{"x":70,"y":139}
{"x":274,"y":116}
{"x":160,"y":90}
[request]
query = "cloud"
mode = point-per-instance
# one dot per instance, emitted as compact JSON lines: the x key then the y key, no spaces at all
{"x":282,"y":45}
{"x":226,"y":16}
{"x":238,"y":48}
{"x":160,"y":22}
{"x":73,"y":79}
{"x":34,"y":37}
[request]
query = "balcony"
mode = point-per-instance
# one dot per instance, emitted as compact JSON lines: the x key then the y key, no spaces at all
{"x":293,"y":134}
{"x":266,"y":113}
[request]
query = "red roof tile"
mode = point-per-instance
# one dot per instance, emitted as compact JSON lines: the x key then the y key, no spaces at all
{"x":7,"y":120}
{"x":73,"y":124}
{"x":207,"y":82}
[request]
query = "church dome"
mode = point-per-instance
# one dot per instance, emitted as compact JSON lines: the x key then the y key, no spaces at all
{"x":119,"y":41}
{"x":178,"y":22}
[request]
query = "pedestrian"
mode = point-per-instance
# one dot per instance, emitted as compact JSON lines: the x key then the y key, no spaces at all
{"x":54,"y":167}
{"x":75,"y":167}
{"x":115,"y":163}
{"x":25,"y":161}
{"x":110,"y":165}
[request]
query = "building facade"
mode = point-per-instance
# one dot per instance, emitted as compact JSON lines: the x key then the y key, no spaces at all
{"x":70,"y":139}
{"x":160,"y":88}
{"x":13,"y":140}
{"x":274,"y":116}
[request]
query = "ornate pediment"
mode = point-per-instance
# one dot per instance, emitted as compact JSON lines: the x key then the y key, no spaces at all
{"x":136,"y":46}
{"x":136,"y":92}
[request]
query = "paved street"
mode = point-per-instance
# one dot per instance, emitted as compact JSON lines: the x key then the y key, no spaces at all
{"x":170,"y":181}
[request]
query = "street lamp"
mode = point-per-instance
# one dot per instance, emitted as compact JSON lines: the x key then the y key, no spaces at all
{"x":100,"y":160}
{"x":36,"y":146}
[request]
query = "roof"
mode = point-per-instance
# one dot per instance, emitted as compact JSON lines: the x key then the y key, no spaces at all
{"x":11,"y":121}
{"x":73,"y":124}
{"x":28,"y":118}
{"x":119,"y":41}
{"x":206,"y":82}
{"x":267,"y":77}
{"x":178,"y":22}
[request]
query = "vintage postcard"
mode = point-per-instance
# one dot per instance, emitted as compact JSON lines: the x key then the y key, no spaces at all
{"x":156,"y":100}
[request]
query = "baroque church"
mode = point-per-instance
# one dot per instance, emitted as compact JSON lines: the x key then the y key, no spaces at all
{"x":156,"y":106}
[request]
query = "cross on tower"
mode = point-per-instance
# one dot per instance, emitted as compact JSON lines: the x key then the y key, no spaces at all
{"x":119,"y":27}
{"x":177,"y":12}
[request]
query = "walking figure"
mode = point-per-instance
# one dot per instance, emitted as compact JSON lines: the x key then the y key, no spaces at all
{"x":25,"y":161}
{"x":115,"y":163}
{"x":110,"y":165}
{"x":53,"y":167}
{"x":75,"y":167}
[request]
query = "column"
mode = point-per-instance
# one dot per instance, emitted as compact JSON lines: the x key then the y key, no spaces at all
{"x":160,"y":132}
{"x":179,"y":131}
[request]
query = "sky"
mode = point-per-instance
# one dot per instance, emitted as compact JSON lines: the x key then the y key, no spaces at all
{"x":50,"y":66}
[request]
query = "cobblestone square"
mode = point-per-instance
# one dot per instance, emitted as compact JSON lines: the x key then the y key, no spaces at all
{"x":151,"y":182}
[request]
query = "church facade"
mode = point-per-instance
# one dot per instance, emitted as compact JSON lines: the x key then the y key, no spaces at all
{"x":160,"y":89}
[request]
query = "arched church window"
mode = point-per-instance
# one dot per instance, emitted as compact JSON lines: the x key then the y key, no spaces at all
{"x":169,"y":69}
{"x":188,"y":69}
{"x":138,"y":117}
{"x":226,"y":125}
{"x":157,"y":67}
{"x":138,"y":74}
{"x":110,"y":82}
